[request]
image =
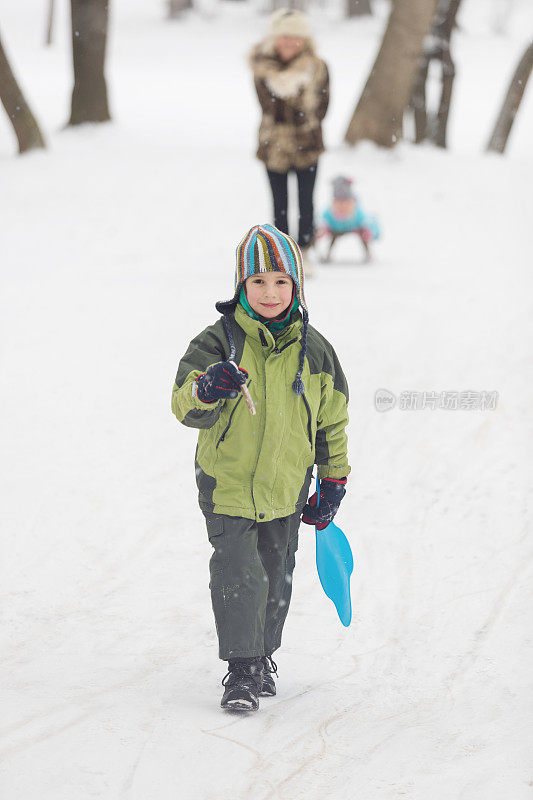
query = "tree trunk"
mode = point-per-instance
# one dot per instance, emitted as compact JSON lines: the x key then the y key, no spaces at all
{"x":24,"y":123}
{"x":357,"y":8}
{"x":511,"y":104}
{"x":441,"y":122}
{"x":50,"y":22}
{"x":175,"y":7}
{"x":444,"y":27}
{"x":437,"y":48}
{"x":378,"y":114}
{"x":418,"y":102}
{"x":89,"y":34}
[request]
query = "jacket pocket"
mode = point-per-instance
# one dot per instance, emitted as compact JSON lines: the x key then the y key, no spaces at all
{"x":228,"y":426}
{"x":214,"y":524}
{"x":309,"y":421}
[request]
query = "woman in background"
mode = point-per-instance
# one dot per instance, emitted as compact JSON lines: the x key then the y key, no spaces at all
{"x":292,"y":85}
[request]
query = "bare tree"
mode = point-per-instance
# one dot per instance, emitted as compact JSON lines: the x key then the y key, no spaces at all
{"x":436,"y":48}
{"x":24,"y":123}
{"x":378,"y":114}
{"x":49,"y":22}
{"x":357,"y":8}
{"x":511,"y":103}
{"x":175,"y":7}
{"x":89,"y":36}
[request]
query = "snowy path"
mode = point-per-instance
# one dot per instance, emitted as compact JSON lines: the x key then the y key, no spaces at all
{"x":110,"y":678}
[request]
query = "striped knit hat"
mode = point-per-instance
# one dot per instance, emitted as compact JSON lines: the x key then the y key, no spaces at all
{"x":266,"y":249}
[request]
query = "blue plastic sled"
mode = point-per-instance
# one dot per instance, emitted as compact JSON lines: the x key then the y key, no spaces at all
{"x":334,"y":561}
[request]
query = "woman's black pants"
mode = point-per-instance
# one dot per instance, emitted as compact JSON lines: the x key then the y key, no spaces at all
{"x":306,"y":184}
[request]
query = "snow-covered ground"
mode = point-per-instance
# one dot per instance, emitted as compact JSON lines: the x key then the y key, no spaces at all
{"x":114,"y":245}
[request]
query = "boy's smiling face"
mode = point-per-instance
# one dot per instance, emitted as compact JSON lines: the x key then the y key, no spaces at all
{"x":269,"y":293}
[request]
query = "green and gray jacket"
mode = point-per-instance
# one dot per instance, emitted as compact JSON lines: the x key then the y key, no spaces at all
{"x":260,"y":466}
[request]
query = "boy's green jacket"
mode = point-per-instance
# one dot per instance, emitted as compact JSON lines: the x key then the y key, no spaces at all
{"x":260,"y":466}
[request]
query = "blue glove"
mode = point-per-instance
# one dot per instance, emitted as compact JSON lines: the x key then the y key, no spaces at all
{"x":220,"y":381}
{"x":331,"y":493}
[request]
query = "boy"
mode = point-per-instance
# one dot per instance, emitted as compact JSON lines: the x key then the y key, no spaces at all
{"x":253,"y":470}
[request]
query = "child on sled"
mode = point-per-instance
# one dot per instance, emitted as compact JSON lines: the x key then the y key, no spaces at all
{"x":345,"y":215}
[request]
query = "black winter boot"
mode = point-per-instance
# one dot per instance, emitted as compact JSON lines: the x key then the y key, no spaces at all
{"x":269,"y":668}
{"x":243,"y":683}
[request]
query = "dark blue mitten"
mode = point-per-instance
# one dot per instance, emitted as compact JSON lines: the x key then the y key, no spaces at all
{"x":331,"y":493}
{"x":220,"y":381}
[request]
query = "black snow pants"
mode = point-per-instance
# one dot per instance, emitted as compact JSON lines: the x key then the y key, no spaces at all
{"x":306,"y":184}
{"x":251,"y":581}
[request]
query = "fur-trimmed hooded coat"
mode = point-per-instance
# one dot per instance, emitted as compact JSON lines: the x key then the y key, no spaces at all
{"x":294,"y":97}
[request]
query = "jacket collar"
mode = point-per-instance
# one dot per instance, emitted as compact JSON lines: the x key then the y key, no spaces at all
{"x":254,"y":328}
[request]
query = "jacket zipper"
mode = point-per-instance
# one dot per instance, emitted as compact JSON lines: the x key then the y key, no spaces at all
{"x":226,"y":429}
{"x":304,"y":398}
{"x":275,"y":350}
{"x":309,"y":426}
